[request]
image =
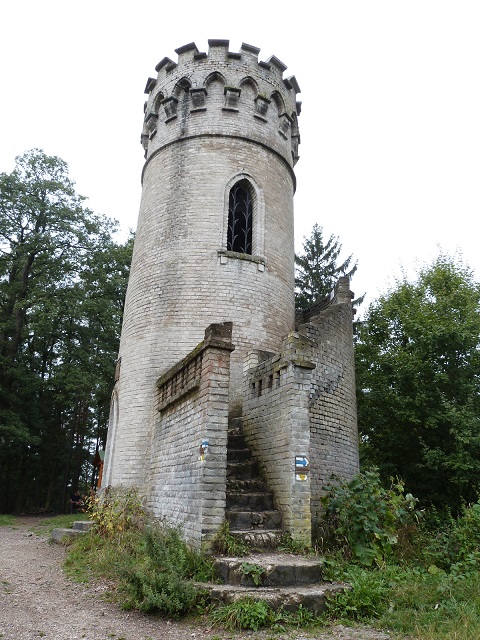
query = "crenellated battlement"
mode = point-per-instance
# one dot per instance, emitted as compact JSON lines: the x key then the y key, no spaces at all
{"x":222,"y":93}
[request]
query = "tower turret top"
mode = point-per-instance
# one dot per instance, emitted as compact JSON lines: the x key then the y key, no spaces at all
{"x":222,"y":93}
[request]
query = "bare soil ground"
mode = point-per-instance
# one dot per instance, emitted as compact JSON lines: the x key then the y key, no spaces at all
{"x":38,"y":601}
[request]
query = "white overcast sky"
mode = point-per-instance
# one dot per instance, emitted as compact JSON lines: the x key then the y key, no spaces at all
{"x":390,"y":123}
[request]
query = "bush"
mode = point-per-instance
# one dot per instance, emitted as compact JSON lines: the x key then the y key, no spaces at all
{"x":363,"y":519}
{"x":152,"y":566}
{"x":115,"y":511}
{"x":456,"y":548}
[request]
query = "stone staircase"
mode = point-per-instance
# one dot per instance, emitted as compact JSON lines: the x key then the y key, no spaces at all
{"x":79,"y":527}
{"x":250,"y":509}
{"x":280,"y":578}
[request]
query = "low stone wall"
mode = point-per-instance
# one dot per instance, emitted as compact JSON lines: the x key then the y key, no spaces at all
{"x":332,"y":405}
{"x":276,"y":427}
{"x":188,"y":460}
{"x":301,"y":403}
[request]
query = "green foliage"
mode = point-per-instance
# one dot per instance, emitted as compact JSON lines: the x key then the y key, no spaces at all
{"x":245,"y":613}
{"x":417,"y":361}
{"x":227,"y":545}
{"x":455,"y":549}
{"x":154,"y":569}
{"x":6,"y":520}
{"x":366,"y":598}
{"x":317,"y":271}
{"x":62,"y":285}
{"x":432,"y":596}
{"x":254,"y":571}
{"x":363,"y":519}
{"x":287,"y":543}
{"x":115,"y":512}
{"x":255,"y":614}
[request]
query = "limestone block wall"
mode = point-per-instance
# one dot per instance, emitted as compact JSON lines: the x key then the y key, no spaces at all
{"x":276,"y":427}
{"x":332,"y":404}
{"x":187,"y":464}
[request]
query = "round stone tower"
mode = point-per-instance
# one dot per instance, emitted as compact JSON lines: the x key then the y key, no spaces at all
{"x":215,"y":238}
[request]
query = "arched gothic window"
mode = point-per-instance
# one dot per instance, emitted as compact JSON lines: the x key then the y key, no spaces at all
{"x":240,"y":213}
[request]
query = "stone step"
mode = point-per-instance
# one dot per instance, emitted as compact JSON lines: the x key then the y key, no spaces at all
{"x":243,"y":470}
{"x":244,"y":520}
{"x":259,"y":539}
{"x":79,"y":527}
{"x":245,"y":485}
{"x":61,"y":535}
{"x":235,"y":426}
{"x":311,"y":597}
{"x":236,"y":441}
{"x":238,"y":455}
{"x":82,"y":525}
{"x":269,"y":570}
{"x":252,"y":501}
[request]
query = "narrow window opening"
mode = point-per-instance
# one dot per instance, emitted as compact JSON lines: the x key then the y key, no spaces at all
{"x":239,"y":235}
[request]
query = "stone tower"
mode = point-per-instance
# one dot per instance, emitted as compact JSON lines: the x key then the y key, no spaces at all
{"x":211,"y":289}
{"x":220,"y":131}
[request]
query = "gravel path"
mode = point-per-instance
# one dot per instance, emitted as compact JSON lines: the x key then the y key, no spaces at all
{"x":38,"y":601}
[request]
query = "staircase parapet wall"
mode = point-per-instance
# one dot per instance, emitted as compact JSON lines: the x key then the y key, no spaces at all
{"x":187,"y":475}
{"x":276,"y":427}
{"x":332,"y":402}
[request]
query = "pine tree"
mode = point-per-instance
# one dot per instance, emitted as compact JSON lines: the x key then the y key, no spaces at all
{"x":316,"y":269}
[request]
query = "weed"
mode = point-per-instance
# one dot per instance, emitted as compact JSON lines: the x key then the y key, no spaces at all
{"x":245,"y":613}
{"x":227,"y":545}
{"x":287,"y":543}
{"x":115,"y":512}
{"x":253,"y":571}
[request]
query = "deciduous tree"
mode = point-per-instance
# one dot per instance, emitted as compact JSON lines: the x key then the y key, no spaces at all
{"x":418,"y":372}
{"x":62,"y":283}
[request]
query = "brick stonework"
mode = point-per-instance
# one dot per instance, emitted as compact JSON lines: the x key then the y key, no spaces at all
{"x":211,"y":120}
{"x":333,"y":409}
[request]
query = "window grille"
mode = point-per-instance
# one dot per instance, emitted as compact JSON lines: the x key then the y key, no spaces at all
{"x":239,"y":235}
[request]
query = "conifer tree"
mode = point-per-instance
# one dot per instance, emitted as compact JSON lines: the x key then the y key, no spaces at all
{"x":317,"y":270}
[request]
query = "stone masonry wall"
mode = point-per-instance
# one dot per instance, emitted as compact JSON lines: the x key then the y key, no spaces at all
{"x":333,"y":417}
{"x":187,"y":471}
{"x":276,"y":427}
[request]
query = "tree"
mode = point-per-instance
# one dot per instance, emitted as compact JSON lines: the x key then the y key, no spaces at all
{"x":316,"y":269}
{"x":418,"y":373}
{"x":62,"y":282}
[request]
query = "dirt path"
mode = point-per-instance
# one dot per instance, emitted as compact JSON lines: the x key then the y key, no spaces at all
{"x":37,"y":601}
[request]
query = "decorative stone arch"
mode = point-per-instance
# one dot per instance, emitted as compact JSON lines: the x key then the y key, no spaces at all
{"x":295,"y":137}
{"x":157,"y":101}
{"x":151,"y":121}
{"x":215,"y":85}
{"x":284,"y":123}
{"x":216,"y":76}
{"x":181,"y":87}
{"x":257,"y":213}
{"x":248,"y":93}
{"x":249,"y":83}
{"x":278,"y":101}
